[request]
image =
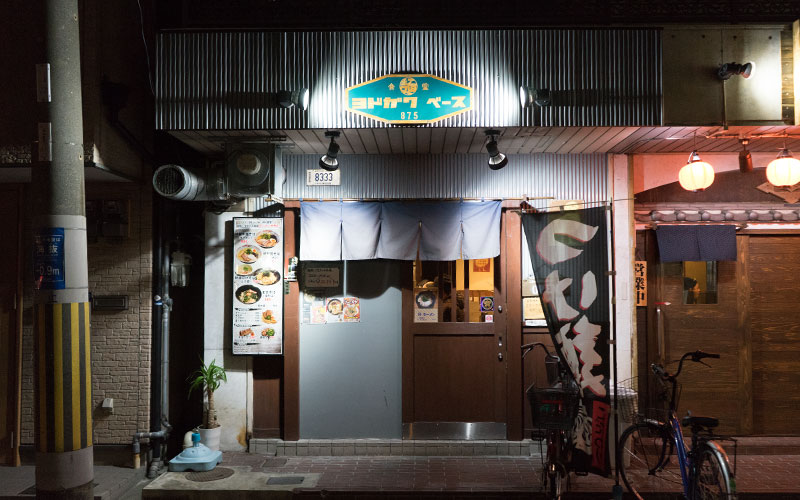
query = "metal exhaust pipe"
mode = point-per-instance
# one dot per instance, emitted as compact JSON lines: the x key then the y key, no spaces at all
{"x":189,"y":184}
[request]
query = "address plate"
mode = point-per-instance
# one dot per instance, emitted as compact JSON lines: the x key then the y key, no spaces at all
{"x":322,"y":177}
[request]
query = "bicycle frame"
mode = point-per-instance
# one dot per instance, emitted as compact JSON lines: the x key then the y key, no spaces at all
{"x":684,"y":459}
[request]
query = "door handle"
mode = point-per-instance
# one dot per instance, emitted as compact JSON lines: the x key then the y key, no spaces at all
{"x":500,"y":356}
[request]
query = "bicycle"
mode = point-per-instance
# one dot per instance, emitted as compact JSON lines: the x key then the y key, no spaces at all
{"x":645,"y":449}
{"x":554,"y":409}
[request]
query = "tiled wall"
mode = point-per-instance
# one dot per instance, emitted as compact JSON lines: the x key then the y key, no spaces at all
{"x":121,"y":340}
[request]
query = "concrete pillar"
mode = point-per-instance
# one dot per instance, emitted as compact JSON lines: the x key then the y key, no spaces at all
{"x":624,"y":242}
{"x":63,"y":398}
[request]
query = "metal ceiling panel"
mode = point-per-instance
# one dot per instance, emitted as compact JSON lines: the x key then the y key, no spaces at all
{"x":581,"y":177}
{"x":597,"y":77}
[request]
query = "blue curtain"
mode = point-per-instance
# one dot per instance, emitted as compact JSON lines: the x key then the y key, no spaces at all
{"x":446,"y":230}
{"x":696,"y":242}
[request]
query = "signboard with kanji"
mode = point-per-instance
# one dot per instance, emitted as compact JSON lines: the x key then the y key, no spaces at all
{"x":640,"y":282}
{"x":408,"y":98}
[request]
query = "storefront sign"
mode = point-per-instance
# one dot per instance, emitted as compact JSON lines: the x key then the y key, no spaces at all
{"x":48,"y":258}
{"x":320,"y":277}
{"x":426,"y":307}
{"x":320,"y":177}
{"x":257,"y":285}
{"x":640,"y":282}
{"x":408,"y":98}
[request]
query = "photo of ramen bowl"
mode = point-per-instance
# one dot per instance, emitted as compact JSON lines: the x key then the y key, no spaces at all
{"x":266,"y":239}
{"x":266,"y":277}
{"x":248,"y":294}
{"x":248,"y":254}
{"x":425,"y":300}
{"x":335,"y":307}
{"x":244,"y":270}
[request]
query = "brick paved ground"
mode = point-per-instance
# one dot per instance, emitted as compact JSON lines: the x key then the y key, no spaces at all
{"x":500,"y":477}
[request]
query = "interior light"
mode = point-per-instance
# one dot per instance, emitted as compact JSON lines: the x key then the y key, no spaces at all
{"x":497,"y":160}
{"x":328,"y":160}
{"x":784,"y":170}
{"x":289,"y":98}
{"x":745,"y":158}
{"x":696,"y":175}
{"x":728,"y":70}
{"x":530,"y":95}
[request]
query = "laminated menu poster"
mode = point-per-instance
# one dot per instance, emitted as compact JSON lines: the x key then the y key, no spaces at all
{"x":257,"y":310}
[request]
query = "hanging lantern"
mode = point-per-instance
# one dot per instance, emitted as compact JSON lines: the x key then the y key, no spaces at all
{"x":784,"y":170}
{"x":696,"y":175}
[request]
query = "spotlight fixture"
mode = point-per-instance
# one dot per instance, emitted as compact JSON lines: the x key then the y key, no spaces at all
{"x":289,"y":98}
{"x":784,"y":170}
{"x":531,"y":95}
{"x":497,"y":160}
{"x":328,"y":160}
{"x":745,"y":158}
{"x":728,"y":70}
{"x":696,"y":175}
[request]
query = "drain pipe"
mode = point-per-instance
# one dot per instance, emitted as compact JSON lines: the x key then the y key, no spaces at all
{"x":160,"y":436}
{"x":159,"y":425}
{"x":155,"y":438}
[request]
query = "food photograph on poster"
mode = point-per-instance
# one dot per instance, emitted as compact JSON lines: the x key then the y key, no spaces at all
{"x":257,"y":310}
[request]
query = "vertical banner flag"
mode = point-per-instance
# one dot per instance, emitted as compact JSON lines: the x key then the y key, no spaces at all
{"x":569,"y":253}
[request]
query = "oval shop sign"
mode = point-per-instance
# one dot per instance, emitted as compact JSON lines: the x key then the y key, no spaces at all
{"x":408,"y":98}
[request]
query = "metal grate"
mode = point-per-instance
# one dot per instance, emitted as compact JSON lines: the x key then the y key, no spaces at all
{"x":169,"y":181}
{"x":285,"y":480}
{"x":212,"y":475}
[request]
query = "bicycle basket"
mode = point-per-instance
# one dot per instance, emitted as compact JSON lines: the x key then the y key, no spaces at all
{"x":628,"y":398}
{"x":555,"y":407}
{"x":656,"y":396}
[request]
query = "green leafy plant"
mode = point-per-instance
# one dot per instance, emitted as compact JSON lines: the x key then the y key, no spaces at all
{"x":208,"y":378}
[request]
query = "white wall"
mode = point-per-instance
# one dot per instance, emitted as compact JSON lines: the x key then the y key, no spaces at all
{"x":624,"y":242}
{"x":233,"y":399}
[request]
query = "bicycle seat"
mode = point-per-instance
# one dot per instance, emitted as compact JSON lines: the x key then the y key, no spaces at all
{"x":696,"y":421}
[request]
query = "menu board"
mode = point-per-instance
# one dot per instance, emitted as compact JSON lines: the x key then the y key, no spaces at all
{"x":257,"y":285}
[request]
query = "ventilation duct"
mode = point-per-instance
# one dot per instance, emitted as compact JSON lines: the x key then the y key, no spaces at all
{"x":249,"y":170}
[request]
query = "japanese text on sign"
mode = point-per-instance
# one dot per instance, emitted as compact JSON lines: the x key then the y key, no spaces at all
{"x":408,"y":98}
{"x":640,"y":282}
{"x":48,"y":258}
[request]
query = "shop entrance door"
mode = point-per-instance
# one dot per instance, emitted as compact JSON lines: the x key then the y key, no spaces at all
{"x":10,"y":326}
{"x":454,"y":350}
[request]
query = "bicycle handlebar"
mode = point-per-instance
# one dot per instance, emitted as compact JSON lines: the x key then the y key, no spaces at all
{"x":695,"y":356}
{"x":526,"y":348}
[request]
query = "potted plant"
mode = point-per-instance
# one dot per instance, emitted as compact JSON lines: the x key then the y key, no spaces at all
{"x":208,"y":378}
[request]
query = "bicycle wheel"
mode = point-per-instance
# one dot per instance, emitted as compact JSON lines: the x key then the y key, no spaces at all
{"x":712,"y":480}
{"x":645,"y":461}
{"x":555,"y":474}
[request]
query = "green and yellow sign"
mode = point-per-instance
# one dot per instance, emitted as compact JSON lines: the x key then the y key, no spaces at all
{"x":408,"y":98}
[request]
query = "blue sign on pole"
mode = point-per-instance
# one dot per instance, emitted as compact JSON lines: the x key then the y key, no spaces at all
{"x":408,"y":98}
{"x":48,"y":258}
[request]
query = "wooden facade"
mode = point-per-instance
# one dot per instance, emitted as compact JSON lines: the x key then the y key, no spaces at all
{"x":754,"y":326}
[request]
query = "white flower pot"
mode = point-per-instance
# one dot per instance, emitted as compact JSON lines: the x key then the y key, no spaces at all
{"x":210,"y":437}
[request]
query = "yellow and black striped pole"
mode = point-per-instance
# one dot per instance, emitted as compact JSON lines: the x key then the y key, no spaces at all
{"x":63,"y":397}
{"x":63,"y":378}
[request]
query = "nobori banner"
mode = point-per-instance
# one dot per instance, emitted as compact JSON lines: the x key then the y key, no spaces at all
{"x":569,"y":253}
{"x":408,"y":98}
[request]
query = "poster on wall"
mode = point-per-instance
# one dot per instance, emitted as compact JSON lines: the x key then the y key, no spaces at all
{"x":257,"y":311}
{"x":426,"y":308}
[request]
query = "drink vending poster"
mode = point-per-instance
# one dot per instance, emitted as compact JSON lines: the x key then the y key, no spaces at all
{"x":257,"y":285}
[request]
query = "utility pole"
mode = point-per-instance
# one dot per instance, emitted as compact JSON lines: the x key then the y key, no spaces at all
{"x":64,"y":456}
